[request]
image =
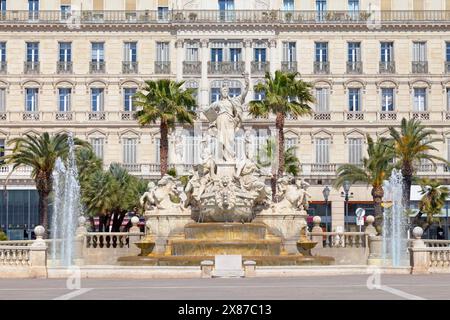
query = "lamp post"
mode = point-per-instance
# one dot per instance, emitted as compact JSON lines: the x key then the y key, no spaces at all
{"x":326,"y":194}
{"x":346,"y":195}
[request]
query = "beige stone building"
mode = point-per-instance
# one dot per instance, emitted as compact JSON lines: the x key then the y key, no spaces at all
{"x":73,"y":65}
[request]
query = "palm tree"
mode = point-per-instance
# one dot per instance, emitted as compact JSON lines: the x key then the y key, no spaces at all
{"x":165,"y":101}
{"x":284,"y":95}
{"x":373,"y":171}
{"x":411,"y":146}
{"x":291,"y":162}
{"x":111,"y":194}
{"x":87,"y":163}
{"x":40,"y":153}
{"x":433,"y":200}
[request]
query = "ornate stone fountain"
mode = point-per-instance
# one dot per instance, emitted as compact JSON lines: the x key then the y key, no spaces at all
{"x":225,"y":207}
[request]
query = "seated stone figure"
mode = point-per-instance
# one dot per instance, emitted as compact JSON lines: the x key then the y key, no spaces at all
{"x":163,"y":195}
{"x":292,"y":196}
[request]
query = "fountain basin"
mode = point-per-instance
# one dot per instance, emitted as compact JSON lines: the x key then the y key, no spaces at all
{"x":225,"y":231}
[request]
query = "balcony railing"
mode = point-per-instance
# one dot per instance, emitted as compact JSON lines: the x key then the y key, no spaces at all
{"x":387,"y":67}
{"x":31,"y":116}
{"x":354,"y":67}
{"x":387,"y":116}
{"x":226,"y":16}
{"x":260,"y":67}
{"x":420,"y":67}
{"x":354,"y":115}
{"x":322,"y":116}
{"x":192,"y":67}
{"x":162,"y":67}
{"x":3,"y":67}
{"x":97,"y":67}
{"x":226,"y":67}
{"x":289,"y":66}
{"x":64,"y":116}
{"x":129,"y":67}
{"x":64,"y":67}
{"x":31,"y":67}
{"x":97,"y":116}
{"x":321,"y":67}
{"x":420,"y":115}
{"x":128,"y":116}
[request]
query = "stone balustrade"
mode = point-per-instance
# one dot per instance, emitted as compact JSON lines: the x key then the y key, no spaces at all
{"x":105,"y":240}
{"x":15,"y":255}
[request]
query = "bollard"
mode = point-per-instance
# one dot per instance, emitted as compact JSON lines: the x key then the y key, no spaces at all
{"x":418,"y":254}
{"x":207,"y":268}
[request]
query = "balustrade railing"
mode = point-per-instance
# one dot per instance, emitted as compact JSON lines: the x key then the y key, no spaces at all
{"x":103,"y":240}
{"x":192,"y":67}
{"x":342,"y":239}
{"x":16,"y":255}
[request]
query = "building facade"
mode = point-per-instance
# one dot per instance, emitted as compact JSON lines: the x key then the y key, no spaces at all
{"x":74,"y":65}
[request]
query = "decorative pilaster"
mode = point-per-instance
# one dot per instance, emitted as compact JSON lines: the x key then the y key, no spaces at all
{"x":180,"y":59}
{"x":204,"y":88}
{"x":274,"y":61}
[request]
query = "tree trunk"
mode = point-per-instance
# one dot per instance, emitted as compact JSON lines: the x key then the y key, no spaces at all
{"x":407,"y":172}
{"x":279,"y":124}
{"x":377,"y":195}
{"x":92,"y":220}
{"x":164,"y":147}
{"x":273,"y":185}
{"x":118,"y":219}
{"x":44,"y":183}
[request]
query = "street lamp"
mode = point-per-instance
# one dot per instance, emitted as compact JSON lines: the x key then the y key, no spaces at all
{"x":326,"y":193}
{"x":346,"y":195}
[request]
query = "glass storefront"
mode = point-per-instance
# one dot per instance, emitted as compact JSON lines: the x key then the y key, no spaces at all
{"x":18,"y":213}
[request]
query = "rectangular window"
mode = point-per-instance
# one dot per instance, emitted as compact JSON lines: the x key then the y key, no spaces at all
{"x":162,"y":51}
{"x":448,"y":149}
{"x":288,"y":5}
{"x":420,"y":99}
{"x":215,"y":94}
{"x":2,"y":52}
{"x":130,"y":52}
{"x":290,"y":143}
{"x":163,"y":13}
{"x":3,"y":6}
{"x":65,"y":52}
{"x":157,"y":151}
{"x":322,"y":150}
{"x":128,"y":99}
{"x":353,"y":6}
{"x":97,"y":147}
{"x":98,"y":52}
{"x":447,"y":51}
{"x":129,"y":150}
{"x":354,"y":52}
{"x":259,"y":54}
{"x":97,"y":99}
{"x":289,"y":52}
{"x":321,"y":51}
{"x":448,"y":99}
{"x":226,"y":8}
{"x":234,"y":92}
{"x":387,"y":99}
{"x":216,"y":54}
{"x":235,"y":54}
{"x":192,"y":51}
{"x":419,"y":51}
{"x":31,"y":99}
{"x":33,"y":9}
{"x":387,"y":51}
{"x":2,"y":99}
{"x":354,"y":99}
{"x":32,"y":51}
{"x":259,"y":95}
{"x":66,"y":12}
{"x":322,"y":100}
{"x":355,"y":150}
{"x":64,"y":99}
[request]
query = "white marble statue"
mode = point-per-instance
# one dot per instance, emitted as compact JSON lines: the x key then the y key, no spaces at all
{"x":305,"y":196}
{"x":161,"y":197}
{"x":225,"y":116}
{"x":147,"y":200}
{"x":292,"y":196}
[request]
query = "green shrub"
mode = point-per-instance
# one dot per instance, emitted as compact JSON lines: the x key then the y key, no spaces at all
{"x":3,"y":236}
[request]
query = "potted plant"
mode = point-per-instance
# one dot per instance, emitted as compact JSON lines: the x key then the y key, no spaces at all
{"x":364,"y":15}
{"x":192,"y":16}
{"x":288,"y":16}
{"x":179,"y":16}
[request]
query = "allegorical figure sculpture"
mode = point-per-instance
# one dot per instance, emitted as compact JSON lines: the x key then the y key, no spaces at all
{"x":225,"y":116}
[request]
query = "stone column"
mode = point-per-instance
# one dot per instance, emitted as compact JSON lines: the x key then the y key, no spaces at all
{"x":249,"y":268}
{"x":204,"y":85}
{"x":419,"y":256}
{"x":375,"y":247}
{"x":80,"y":236}
{"x":135,"y":231}
{"x":180,"y":59}
{"x":38,"y":254}
{"x":317,"y":229}
{"x":273,"y":57}
{"x":370,"y":229}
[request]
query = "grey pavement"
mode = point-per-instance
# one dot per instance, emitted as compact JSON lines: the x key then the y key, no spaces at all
{"x":314,"y":287}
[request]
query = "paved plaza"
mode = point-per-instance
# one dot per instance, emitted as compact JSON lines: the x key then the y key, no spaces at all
{"x":392,"y":287}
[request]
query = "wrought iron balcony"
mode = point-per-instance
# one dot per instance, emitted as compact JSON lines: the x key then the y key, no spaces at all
{"x":129,"y":67}
{"x":260,"y":67}
{"x":192,"y":67}
{"x":97,"y":116}
{"x":64,"y":67}
{"x":97,"y":67}
{"x":31,"y":116}
{"x":420,"y":67}
{"x":387,"y":67}
{"x":128,"y":115}
{"x":420,"y":115}
{"x":31,"y":67}
{"x":289,"y":66}
{"x":226,"y":67}
{"x":304,"y":17}
{"x":321,"y":67}
{"x":387,"y":116}
{"x":162,"y":67}
{"x":354,"y":115}
{"x":3,"y":67}
{"x":64,"y":116}
{"x":354,"y":67}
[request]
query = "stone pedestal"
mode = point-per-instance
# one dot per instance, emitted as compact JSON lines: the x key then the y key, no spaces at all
{"x":165,"y":227}
{"x":375,"y":249}
{"x":286,"y":226}
{"x":226,"y":169}
{"x":419,"y":255}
